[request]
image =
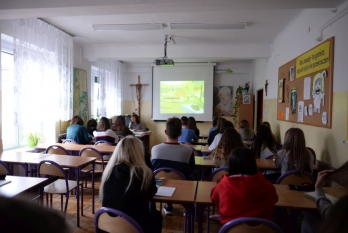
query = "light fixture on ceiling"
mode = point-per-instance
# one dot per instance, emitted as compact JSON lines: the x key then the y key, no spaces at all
{"x":164,"y":61}
{"x":208,"y":26}
{"x":127,"y":27}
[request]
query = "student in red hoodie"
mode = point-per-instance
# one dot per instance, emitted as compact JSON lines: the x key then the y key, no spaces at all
{"x":243,"y":192}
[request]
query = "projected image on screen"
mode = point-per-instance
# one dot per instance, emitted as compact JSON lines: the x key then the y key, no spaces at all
{"x":179,"y":97}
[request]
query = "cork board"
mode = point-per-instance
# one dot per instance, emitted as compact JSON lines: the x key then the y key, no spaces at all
{"x":305,"y":87}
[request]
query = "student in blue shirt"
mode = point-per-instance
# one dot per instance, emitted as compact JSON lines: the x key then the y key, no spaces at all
{"x":187,"y":135}
{"x":77,"y":132}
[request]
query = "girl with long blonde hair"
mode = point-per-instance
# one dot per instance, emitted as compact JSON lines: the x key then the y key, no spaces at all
{"x":128,"y":184}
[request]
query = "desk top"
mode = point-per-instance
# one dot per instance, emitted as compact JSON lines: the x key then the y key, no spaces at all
{"x":68,"y":161}
{"x":260,"y":163}
{"x":297,"y":200}
{"x":77,"y":147}
{"x":19,"y":184}
{"x":20,"y":157}
{"x":184,"y":193}
{"x":201,"y":142}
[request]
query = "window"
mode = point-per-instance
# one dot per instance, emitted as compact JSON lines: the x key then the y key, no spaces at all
{"x":10,"y":132}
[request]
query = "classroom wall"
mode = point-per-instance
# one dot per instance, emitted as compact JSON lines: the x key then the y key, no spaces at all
{"x":298,"y":37}
{"x":130,"y":74}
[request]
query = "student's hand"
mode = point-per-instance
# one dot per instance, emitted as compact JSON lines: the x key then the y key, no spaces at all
{"x":322,"y":178}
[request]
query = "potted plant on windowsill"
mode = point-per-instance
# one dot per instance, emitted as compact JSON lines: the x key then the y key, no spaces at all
{"x":33,"y":139}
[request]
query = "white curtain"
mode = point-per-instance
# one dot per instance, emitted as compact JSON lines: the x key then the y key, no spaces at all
{"x":43,"y":58}
{"x":110,"y":94}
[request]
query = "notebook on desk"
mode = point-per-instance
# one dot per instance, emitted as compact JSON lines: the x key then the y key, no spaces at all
{"x":312,"y":196}
{"x":3,"y":182}
{"x":165,"y":191}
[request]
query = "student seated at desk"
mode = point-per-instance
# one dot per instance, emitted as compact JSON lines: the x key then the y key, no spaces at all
{"x":77,"y":132}
{"x":243,"y":192}
{"x":215,"y":120}
{"x":120,"y":127}
{"x":193,"y":126}
{"x":225,"y":125}
{"x":245,"y":131}
{"x":128,"y":185}
{"x":212,"y":135}
{"x":334,"y":216}
{"x":264,"y":143}
{"x":91,"y":126}
{"x":187,"y":135}
{"x":230,"y":140}
{"x":294,"y":155}
{"x":173,"y":155}
{"x":135,"y":125}
{"x":104,"y":132}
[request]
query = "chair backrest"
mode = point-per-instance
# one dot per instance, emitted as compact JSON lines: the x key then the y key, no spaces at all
{"x":103,"y":142}
{"x":258,"y":225}
{"x":115,"y":221}
{"x":57,"y":150}
{"x":169,"y":173}
{"x":51,"y":168}
{"x":313,"y":154}
{"x":4,"y":169}
{"x":185,"y":142}
{"x":91,"y":152}
{"x":292,"y":177}
{"x":217,"y":173}
{"x":270,"y":156}
{"x":69,"y":141}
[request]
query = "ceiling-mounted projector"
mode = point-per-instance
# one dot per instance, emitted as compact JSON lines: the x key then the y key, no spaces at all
{"x":164,"y":61}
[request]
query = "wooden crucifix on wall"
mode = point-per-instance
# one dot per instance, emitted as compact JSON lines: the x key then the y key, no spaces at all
{"x":138,"y":87}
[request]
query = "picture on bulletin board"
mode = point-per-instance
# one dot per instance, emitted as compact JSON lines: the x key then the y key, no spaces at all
{"x":293,"y":100}
{"x":280,"y":90}
{"x":292,"y":73}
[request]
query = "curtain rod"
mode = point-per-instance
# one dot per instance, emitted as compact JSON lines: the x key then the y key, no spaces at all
{"x":72,"y":35}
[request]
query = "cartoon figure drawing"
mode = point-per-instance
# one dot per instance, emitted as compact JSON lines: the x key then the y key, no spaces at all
{"x":310,"y":109}
{"x":324,"y":118}
{"x":318,"y":90}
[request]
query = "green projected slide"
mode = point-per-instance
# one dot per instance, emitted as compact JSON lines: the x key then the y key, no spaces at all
{"x":177,"y":97}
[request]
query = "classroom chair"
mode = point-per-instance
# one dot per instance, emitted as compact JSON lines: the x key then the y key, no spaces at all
{"x":292,"y":177}
{"x":98,"y":169}
{"x":57,"y":150}
{"x":4,"y":169}
{"x":115,"y":221}
{"x":103,"y":142}
{"x":69,"y":141}
{"x":52,"y":170}
{"x":243,"y":225}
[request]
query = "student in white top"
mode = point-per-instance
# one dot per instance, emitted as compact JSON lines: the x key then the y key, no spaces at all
{"x":225,"y":125}
{"x":104,"y":132}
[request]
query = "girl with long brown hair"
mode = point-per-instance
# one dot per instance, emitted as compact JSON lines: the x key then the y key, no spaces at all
{"x":264,"y":143}
{"x":245,"y":131}
{"x":230,"y":140}
{"x":294,"y":155}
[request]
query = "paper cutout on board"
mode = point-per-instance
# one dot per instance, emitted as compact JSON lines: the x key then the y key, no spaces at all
{"x":310,"y":109}
{"x":281,"y":115}
{"x":305,"y":111}
{"x":324,"y":118}
{"x":318,"y":90}
{"x":307,"y":88}
{"x":300,"y":111}
{"x":287,"y":111}
{"x":293,"y":100}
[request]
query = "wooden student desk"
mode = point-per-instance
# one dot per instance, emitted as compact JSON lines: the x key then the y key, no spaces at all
{"x":75,"y":163}
{"x":21,"y":158}
{"x":184,"y":194}
{"x":77,"y":147}
{"x":201,"y":142}
{"x":262,"y":164}
{"x":20,"y":184}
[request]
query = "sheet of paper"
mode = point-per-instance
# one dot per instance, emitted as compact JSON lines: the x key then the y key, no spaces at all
{"x":287,"y":111}
{"x":165,"y":191}
{"x":307,"y":88}
{"x":312,"y":196}
{"x":300,"y":111}
{"x":3,"y":182}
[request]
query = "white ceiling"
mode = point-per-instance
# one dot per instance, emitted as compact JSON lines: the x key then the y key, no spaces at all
{"x":265,"y":20}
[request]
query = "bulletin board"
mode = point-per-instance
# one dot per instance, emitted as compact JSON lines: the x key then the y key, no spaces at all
{"x":305,"y":87}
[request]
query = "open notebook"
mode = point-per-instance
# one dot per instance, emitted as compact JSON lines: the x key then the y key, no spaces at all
{"x":312,"y":196}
